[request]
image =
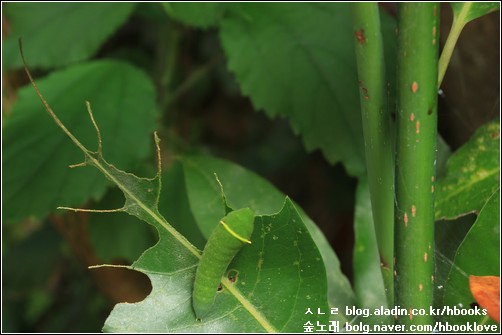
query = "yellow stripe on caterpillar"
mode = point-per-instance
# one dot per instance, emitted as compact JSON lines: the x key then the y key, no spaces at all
{"x":234,"y":234}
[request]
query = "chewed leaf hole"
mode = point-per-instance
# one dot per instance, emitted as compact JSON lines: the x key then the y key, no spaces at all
{"x":232,"y":275}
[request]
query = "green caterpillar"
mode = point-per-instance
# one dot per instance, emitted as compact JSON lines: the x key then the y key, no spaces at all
{"x":225,"y":241}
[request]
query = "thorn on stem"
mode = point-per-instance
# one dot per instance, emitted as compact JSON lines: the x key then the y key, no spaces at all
{"x":77,"y":165}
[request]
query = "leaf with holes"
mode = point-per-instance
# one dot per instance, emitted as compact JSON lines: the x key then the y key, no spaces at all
{"x":271,"y":287}
{"x":243,"y":188}
{"x":264,"y":292}
{"x":36,"y":156}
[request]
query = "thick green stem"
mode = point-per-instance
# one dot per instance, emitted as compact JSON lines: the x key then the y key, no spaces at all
{"x":377,"y":134}
{"x":416,"y":159}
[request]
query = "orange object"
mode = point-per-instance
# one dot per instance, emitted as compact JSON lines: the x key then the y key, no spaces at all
{"x":486,"y":291}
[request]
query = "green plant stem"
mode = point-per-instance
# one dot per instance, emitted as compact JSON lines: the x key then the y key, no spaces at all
{"x":377,"y":134}
{"x":456,"y":28}
{"x":195,"y":77}
{"x":416,"y":159}
{"x":167,"y":60}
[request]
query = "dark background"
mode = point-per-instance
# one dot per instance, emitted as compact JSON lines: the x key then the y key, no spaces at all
{"x":212,"y":113}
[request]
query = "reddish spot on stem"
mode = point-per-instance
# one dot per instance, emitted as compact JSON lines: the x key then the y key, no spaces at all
{"x":405,"y":219}
{"x":365,"y":93}
{"x":413,"y":210}
{"x":420,"y":287}
{"x":360,"y":36}
{"x":414,"y":87}
{"x":364,"y":89}
{"x":432,"y":188}
{"x":433,"y":41}
{"x":495,"y":135}
{"x":417,"y":127}
{"x":412,"y":117}
{"x":435,"y":11}
{"x":426,"y":257}
{"x":411,"y":314}
{"x":432,"y":178}
{"x":434,"y":31}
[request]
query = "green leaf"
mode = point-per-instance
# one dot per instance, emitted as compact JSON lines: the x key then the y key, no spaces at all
{"x":243,"y":188}
{"x":368,"y":281}
{"x":265,"y":281}
{"x":468,"y":11}
{"x":176,"y":207}
{"x":472,"y":174}
{"x":197,"y":14}
{"x":57,"y":34}
{"x":36,"y":155}
{"x":479,"y":255}
{"x":296,"y":60}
